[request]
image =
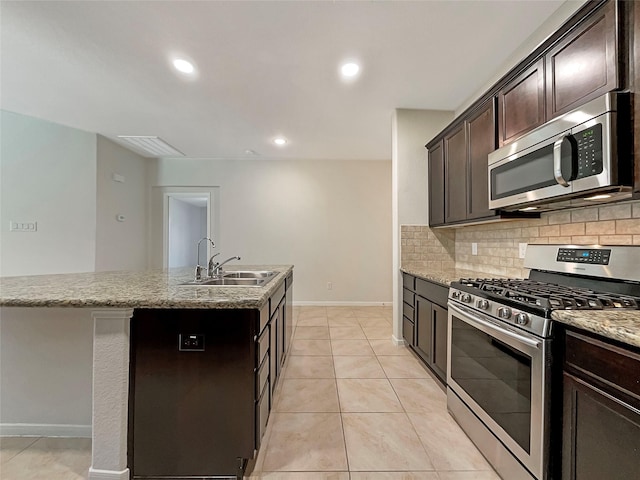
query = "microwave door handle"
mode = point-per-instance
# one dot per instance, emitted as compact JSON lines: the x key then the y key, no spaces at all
{"x":557,"y":162}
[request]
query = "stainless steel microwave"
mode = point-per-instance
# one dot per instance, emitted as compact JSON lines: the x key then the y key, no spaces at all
{"x":582,"y":157}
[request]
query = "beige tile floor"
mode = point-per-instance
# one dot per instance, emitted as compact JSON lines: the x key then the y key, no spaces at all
{"x":349,"y":406}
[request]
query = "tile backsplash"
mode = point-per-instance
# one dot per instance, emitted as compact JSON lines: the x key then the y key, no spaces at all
{"x":498,"y":242}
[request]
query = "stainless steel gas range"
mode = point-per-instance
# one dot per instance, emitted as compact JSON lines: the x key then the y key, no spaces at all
{"x":500,"y":346}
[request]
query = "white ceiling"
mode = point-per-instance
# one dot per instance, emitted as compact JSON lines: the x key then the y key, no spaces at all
{"x":263,"y":68}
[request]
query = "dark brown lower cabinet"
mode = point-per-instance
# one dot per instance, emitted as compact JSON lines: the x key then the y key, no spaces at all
{"x":424,"y":329}
{"x":439,"y":357}
{"x":425,"y":322}
{"x":601,"y":410}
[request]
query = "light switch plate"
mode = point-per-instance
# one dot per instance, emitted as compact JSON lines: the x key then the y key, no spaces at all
{"x":474,"y":248}
{"x":23,"y":226}
{"x":522,"y":250}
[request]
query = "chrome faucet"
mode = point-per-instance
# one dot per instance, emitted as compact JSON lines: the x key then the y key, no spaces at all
{"x":199,"y":268}
{"x":216,"y":269}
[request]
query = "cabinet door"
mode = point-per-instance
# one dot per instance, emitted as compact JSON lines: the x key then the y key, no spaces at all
{"x":408,"y":331}
{"x":584,"y":65}
{"x":601,"y":434}
{"x":273,"y":350}
{"x":282,"y":334}
{"x":521,"y":104}
{"x":436,"y":185}
{"x":482,"y":141}
{"x":423,"y":329}
{"x":288,"y":315}
{"x":455,"y":161}
{"x":439,"y":361}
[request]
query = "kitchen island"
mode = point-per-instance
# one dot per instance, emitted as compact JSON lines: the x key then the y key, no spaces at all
{"x":112,"y":298}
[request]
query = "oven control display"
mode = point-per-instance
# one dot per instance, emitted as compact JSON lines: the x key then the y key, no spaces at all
{"x":584,"y":255}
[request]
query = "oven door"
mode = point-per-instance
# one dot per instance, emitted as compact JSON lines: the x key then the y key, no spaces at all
{"x":502,"y":375}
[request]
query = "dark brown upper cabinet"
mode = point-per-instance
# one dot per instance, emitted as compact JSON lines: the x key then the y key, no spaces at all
{"x":594,"y":52}
{"x":455,"y":171}
{"x":481,"y":132}
{"x":584,"y":64}
{"x":521,"y":104}
{"x":436,"y":184}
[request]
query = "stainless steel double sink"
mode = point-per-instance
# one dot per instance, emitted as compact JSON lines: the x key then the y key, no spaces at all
{"x":239,"y":278}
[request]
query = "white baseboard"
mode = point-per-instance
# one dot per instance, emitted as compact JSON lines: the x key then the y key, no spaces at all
{"x":44,"y":430}
{"x":398,"y":341}
{"x":95,"y":474}
{"x":341,"y":304}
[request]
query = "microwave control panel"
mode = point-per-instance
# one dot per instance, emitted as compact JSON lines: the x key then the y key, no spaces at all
{"x":584,"y":255}
{"x":589,"y":151}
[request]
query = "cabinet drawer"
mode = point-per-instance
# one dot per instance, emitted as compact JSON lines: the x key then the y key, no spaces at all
{"x":432,"y":292}
{"x":264,"y":318}
{"x":275,"y":299}
{"x":409,"y":281}
{"x":262,"y":415}
{"x":262,"y":346}
{"x":262,"y":376}
{"x":610,"y":364}
{"x":407,"y":330}
{"x":408,"y":297}
{"x":407,"y":310}
{"x":288,"y":281}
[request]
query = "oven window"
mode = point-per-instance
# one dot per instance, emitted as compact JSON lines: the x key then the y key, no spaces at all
{"x":529,"y":172}
{"x":496,"y":376}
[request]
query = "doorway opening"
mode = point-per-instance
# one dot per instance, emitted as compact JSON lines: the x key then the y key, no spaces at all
{"x":187,"y":216}
{"x":180,"y":217}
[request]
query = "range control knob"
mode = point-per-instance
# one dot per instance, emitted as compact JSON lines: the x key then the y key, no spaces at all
{"x":522,"y":319}
{"x":455,"y":294}
{"x":504,"y":312}
{"x":466,"y":298}
{"x":482,"y":304}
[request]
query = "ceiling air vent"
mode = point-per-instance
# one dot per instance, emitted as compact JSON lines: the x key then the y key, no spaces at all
{"x":151,"y":146}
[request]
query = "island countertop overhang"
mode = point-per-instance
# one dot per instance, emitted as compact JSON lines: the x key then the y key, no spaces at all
{"x":142,"y":289}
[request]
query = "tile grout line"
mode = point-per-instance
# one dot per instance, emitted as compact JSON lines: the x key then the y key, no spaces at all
{"x":344,"y":437}
{"x":36,"y":439}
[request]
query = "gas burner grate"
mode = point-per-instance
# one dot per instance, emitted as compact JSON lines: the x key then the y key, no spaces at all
{"x":547,"y":296}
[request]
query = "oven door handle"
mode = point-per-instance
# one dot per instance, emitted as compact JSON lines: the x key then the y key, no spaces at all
{"x":492,"y":324}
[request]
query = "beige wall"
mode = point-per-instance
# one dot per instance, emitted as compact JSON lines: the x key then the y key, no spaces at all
{"x":120,"y":245}
{"x":422,"y":247}
{"x":331,"y":219}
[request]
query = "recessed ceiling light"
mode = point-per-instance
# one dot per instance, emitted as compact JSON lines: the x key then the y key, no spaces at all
{"x":598,"y":197}
{"x":350,"y":69}
{"x":280,"y":141}
{"x":183,"y":65}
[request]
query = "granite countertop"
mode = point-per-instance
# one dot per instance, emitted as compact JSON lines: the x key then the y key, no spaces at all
{"x":147,"y":289}
{"x":623,"y":325}
{"x":445,"y":277}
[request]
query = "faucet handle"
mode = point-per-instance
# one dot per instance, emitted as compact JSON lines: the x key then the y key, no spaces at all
{"x":198,"y":274}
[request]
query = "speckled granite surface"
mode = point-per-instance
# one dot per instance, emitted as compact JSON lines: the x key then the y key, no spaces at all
{"x":445,"y":277}
{"x":623,"y":326}
{"x":149,"y":289}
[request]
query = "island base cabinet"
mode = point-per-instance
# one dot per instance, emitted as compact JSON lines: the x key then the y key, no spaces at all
{"x":192,"y":406}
